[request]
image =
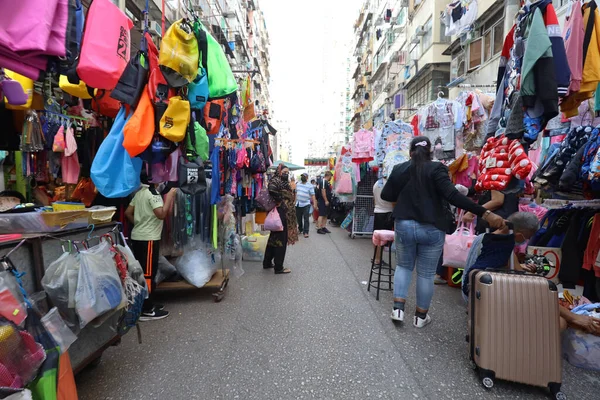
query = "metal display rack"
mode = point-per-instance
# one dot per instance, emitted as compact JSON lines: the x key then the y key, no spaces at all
{"x":364,"y":205}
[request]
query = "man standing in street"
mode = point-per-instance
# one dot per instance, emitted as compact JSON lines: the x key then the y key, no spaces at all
{"x":305,"y":196}
{"x":324,"y":202}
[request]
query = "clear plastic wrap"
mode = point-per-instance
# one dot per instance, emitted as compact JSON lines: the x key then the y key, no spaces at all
{"x":60,"y":284}
{"x":59,"y":330}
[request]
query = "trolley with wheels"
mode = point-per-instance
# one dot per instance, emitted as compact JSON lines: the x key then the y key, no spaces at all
{"x":514,"y":332}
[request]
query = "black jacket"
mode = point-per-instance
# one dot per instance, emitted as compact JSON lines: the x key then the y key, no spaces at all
{"x":423,"y":199}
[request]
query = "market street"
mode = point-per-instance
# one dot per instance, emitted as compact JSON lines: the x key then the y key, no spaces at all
{"x":316,"y":333}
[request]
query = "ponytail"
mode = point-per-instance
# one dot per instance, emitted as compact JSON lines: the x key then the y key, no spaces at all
{"x":420,"y":153}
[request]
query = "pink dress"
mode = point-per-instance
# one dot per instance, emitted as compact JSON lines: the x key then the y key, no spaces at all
{"x":363,"y":148}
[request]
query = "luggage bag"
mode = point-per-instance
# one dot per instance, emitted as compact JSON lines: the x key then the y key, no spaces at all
{"x":514,"y":331}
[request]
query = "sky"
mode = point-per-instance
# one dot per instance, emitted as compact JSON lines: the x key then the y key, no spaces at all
{"x":305,"y":50}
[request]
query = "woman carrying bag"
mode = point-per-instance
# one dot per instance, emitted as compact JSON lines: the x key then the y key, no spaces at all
{"x":281,"y":191}
{"x":422,"y":189}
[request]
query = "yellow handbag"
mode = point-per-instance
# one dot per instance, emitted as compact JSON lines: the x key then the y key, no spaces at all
{"x":27,"y":85}
{"x":80,"y":90}
{"x":174,"y":122}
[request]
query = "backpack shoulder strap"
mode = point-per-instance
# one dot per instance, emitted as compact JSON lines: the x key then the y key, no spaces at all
{"x":203,"y":47}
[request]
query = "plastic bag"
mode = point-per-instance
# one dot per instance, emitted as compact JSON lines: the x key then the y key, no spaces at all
{"x":60,"y":283}
{"x":12,"y":304}
{"x":579,"y":348}
{"x":99,"y":287}
{"x":23,"y":395}
{"x":166,"y":270}
{"x":59,"y":330}
{"x":197,"y":267}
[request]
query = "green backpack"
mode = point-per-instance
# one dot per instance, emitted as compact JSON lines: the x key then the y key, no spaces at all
{"x":221,"y":82}
{"x":196,"y":142}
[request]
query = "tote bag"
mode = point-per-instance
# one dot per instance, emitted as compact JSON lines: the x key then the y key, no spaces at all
{"x":457,"y":246}
{"x":273,"y":221}
{"x":114,"y":172}
{"x":105,"y":49}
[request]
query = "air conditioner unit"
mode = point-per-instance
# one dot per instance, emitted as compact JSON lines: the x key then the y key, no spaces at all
{"x":415,"y":39}
{"x":420,"y":31}
{"x":155,"y":28}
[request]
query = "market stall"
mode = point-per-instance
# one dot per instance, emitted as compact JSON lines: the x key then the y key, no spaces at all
{"x":82,"y":126}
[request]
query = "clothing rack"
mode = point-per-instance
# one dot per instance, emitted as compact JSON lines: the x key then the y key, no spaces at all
{"x":468,"y":85}
{"x":557,"y":203}
{"x":237,"y":140}
{"x":64,"y":115}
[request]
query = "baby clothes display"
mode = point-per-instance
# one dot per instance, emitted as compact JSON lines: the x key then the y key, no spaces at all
{"x":363,"y":146}
{"x":439,"y":120}
{"x":394,"y":135}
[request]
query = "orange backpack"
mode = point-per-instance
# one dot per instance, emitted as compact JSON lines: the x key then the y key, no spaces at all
{"x":214,"y":113}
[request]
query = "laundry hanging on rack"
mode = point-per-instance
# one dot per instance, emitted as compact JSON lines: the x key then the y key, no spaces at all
{"x":459,"y":16}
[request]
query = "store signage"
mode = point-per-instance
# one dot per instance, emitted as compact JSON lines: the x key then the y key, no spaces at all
{"x":316,"y":162}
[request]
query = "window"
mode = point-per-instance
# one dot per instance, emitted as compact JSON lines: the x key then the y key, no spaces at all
{"x":484,"y":48}
{"x":475,"y":54}
{"x":457,"y":65}
{"x":498,"y":37}
{"x":428,"y":36}
{"x":487,"y":46}
{"x":443,"y":37}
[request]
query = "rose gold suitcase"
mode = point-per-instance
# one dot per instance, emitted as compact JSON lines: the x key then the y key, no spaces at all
{"x":514,"y":331}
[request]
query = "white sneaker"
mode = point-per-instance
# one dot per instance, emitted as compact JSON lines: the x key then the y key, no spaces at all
{"x":422,"y":323}
{"x":398,"y":315}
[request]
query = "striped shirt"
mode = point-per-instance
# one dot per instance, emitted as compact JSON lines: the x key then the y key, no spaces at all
{"x":304,"y":193}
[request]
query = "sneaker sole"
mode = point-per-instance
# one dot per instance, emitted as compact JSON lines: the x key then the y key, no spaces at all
{"x":396,"y":319}
{"x":146,"y":319}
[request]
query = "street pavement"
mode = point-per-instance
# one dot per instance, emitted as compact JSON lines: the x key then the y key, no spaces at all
{"x":314,"y":334}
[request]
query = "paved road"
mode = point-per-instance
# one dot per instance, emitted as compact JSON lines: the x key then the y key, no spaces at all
{"x":314,"y":334}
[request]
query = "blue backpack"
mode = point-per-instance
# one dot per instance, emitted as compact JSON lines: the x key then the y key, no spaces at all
{"x":114,"y":172}
{"x":198,"y":90}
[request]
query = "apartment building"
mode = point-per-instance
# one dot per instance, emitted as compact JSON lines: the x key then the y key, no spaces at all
{"x":399,"y":61}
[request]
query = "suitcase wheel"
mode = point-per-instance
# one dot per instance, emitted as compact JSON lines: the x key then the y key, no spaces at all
{"x":487,"y":382}
{"x":555,"y":391}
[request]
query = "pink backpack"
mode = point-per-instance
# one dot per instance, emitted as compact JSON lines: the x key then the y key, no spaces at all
{"x":105,"y":47}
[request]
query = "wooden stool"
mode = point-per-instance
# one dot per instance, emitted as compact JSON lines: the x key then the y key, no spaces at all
{"x":382,"y":238}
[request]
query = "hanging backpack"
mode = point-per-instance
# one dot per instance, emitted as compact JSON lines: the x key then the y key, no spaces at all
{"x":198,"y":90}
{"x":221,"y":82}
{"x":75,"y":22}
{"x":133,"y":80}
{"x":114,"y":172}
{"x":105,"y":48}
{"x":258,"y":165}
{"x":214,"y":113}
{"x":178,"y":57}
{"x":174,"y":122}
{"x":192,"y":178}
{"x":196,"y":142}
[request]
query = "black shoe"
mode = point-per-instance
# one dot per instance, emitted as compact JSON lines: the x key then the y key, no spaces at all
{"x":268,"y":266}
{"x":321,"y":231}
{"x":159,"y":307}
{"x":326,"y":230}
{"x":153,"y":315}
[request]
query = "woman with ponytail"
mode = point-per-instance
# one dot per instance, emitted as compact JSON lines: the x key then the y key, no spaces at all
{"x":422,"y":189}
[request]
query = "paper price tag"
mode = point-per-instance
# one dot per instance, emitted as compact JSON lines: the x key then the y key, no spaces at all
{"x":490,"y":162}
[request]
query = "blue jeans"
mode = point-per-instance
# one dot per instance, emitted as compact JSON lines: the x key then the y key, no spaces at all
{"x":421,"y":245}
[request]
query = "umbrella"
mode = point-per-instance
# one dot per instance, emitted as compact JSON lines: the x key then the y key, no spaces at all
{"x":292,"y":167}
